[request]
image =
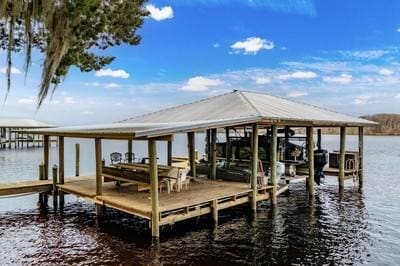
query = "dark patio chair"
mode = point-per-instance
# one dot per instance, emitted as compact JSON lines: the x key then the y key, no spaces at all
{"x":116,"y":157}
{"x":130,"y":157}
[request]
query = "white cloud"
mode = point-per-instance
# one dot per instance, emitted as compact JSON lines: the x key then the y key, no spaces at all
{"x":262,"y":80}
{"x":342,"y":79}
{"x":14,"y":70}
{"x":112,"y":86}
{"x":252,"y":45}
{"x":362,"y":99}
{"x":27,"y":101}
{"x":397,"y":96}
{"x":159,"y":14}
{"x":112,"y":73}
{"x":296,"y":94}
{"x":69,"y":100}
{"x":216,"y":45}
{"x":385,"y":72}
{"x":298,"y":75}
{"x":398,"y":29}
{"x":201,"y":84}
{"x":88,"y":112}
{"x":103,"y":85}
{"x":366,"y":54}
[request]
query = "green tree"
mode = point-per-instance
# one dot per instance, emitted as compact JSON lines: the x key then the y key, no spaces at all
{"x":68,"y":33}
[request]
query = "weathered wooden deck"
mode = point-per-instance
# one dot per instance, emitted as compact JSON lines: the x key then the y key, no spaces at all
{"x":197,"y":200}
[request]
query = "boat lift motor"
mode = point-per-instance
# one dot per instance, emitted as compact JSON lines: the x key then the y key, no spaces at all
{"x":320,"y":160}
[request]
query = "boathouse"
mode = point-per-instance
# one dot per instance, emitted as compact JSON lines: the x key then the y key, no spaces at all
{"x":252,"y":113}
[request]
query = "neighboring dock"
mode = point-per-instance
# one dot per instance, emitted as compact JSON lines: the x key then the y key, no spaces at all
{"x":13,"y":133}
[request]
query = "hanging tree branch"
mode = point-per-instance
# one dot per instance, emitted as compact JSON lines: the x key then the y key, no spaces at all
{"x":67,"y":32}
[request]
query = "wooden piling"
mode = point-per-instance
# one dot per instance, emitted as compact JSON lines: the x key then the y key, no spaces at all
{"x":169,"y":152}
{"x":254,"y":166}
{"x":155,"y":215}
{"x":360,"y":155}
{"x":214,"y":210}
{"x":61,"y":171}
{"x":41,"y":177}
{"x":273,"y":159}
{"x":46,"y":151}
{"x":310,"y":158}
{"x":192,"y":153}
{"x":213,"y":153}
{"x":77,"y":158}
{"x":55,"y":179}
{"x":342,"y":151}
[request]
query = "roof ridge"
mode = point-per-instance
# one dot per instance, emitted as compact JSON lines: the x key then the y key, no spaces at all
{"x":300,"y":102}
{"x":177,"y":106}
{"x":246,"y":100}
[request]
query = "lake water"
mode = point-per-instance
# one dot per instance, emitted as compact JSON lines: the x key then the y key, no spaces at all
{"x":335,"y":228}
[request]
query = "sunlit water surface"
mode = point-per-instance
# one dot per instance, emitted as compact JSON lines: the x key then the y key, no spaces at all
{"x":335,"y":229}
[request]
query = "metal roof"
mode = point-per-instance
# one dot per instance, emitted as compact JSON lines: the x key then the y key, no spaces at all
{"x":230,"y":109}
{"x":238,"y":104}
{"x":12,"y":122}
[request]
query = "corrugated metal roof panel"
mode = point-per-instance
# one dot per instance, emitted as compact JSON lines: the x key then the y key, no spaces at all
{"x":279,"y":108}
{"x":248,"y":104}
{"x":225,"y":106}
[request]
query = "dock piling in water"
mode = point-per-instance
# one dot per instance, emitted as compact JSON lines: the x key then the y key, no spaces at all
{"x":55,"y":179}
{"x":77,"y":158}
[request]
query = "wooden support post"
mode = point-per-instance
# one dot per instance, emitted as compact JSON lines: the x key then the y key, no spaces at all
{"x":169,"y":152}
{"x":46,"y":151}
{"x":310,"y":158}
{"x":213,"y":153}
{"x":360,"y":155}
{"x":192,"y":153}
{"x":155,"y":215}
{"x":228,"y":149}
{"x":130,"y":151}
{"x":46,"y":157}
{"x":61,"y":171}
{"x":342,"y":152}
{"x":254,"y":166}
{"x":55,"y":177}
{"x":208,"y":145}
{"x":41,"y":177}
{"x":99,"y":175}
{"x":77,"y":158}
{"x":273,"y":158}
{"x":214,"y":210}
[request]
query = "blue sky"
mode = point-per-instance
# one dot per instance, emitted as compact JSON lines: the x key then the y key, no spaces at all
{"x":342,"y":55}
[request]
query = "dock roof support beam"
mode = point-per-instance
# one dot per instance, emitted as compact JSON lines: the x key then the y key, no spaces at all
{"x":273,"y":161}
{"x":61,"y":171}
{"x":99,"y":175}
{"x":342,"y":152}
{"x":213,"y":153}
{"x":228,"y":149}
{"x":310,"y":158}
{"x":130,"y":150}
{"x":155,"y":215}
{"x":360,"y":155}
{"x":46,"y":150}
{"x":169,"y":152}
{"x":192,"y":153}
{"x":254,"y":166}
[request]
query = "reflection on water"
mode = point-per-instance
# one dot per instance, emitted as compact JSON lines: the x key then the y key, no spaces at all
{"x":332,"y":228}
